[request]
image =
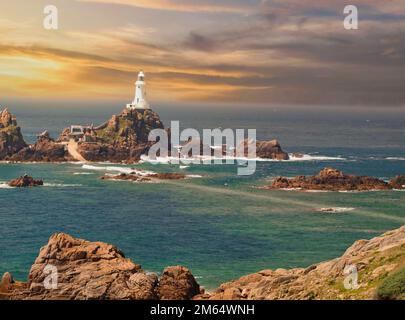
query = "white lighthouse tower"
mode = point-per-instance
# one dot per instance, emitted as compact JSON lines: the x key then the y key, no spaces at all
{"x":140,"y":94}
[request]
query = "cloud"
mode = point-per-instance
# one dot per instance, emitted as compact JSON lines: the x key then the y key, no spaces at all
{"x":293,"y":52}
{"x":227,"y":6}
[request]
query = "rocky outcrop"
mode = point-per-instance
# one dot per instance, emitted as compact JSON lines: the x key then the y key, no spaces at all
{"x":145,"y":177}
{"x":70,"y":268}
{"x":124,"y":138}
{"x":25,"y":181}
{"x":268,"y":150}
{"x":177,"y":283}
{"x":11,"y":139}
{"x":264,"y":149}
{"x":44,"y":150}
{"x":374,"y":260}
{"x":331,"y":180}
{"x":398,"y":182}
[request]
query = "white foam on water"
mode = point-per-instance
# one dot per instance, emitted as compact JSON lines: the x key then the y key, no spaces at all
{"x":61,"y":185}
{"x":4,"y":185}
{"x":117,"y":169}
{"x":395,"y":158}
{"x":335,"y":209}
{"x":184,"y":167}
{"x":82,"y":173}
{"x":194,"y":176}
{"x":207,"y":159}
{"x":308,"y":157}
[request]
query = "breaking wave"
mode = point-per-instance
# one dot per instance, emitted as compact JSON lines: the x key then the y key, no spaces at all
{"x":4,"y":185}
{"x":200,"y":159}
{"x":117,"y":169}
{"x":61,"y":185}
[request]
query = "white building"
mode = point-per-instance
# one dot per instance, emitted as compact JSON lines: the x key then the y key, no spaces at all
{"x":140,"y":94}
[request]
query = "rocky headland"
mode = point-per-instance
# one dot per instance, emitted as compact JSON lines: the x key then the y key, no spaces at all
{"x":96,"y":270}
{"x":330,"y":179}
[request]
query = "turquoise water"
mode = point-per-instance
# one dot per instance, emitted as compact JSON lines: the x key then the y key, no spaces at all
{"x":218,"y":225}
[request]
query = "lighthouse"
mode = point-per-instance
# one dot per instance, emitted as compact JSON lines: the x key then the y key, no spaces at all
{"x":140,"y":94}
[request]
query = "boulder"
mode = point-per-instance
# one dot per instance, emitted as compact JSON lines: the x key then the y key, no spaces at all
{"x":177,"y":283}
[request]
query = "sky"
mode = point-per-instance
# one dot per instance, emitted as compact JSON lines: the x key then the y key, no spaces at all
{"x":268,"y":52}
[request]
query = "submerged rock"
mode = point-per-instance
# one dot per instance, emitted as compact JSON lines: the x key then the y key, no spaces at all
{"x":144,"y":177}
{"x":25,"y":181}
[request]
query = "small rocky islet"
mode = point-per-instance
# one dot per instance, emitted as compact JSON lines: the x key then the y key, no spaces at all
{"x":330,"y":179}
{"x":24,"y":182}
{"x":145,"y":177}
{"x":100,"y":271}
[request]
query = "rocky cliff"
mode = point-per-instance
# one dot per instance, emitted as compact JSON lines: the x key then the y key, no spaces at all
{"x":11,"y":139}
{"x":380,"y":263}
{"x":95,"y":270}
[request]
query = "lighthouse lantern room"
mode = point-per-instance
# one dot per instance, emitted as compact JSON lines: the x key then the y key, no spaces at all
{"x":140,"y":94}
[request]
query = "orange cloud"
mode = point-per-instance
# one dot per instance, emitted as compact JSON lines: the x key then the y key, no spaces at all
{"x":183,"y":5}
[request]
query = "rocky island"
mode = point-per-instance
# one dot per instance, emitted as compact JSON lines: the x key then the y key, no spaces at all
{"x":96,"y":270}
{"x":330,"y":179}
{"x":121,"y":139}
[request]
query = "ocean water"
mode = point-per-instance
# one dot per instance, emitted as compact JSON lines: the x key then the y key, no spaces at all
{"x":216,"y":223}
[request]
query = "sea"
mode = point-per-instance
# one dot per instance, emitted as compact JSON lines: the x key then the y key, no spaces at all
{"x":216,"y":223}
